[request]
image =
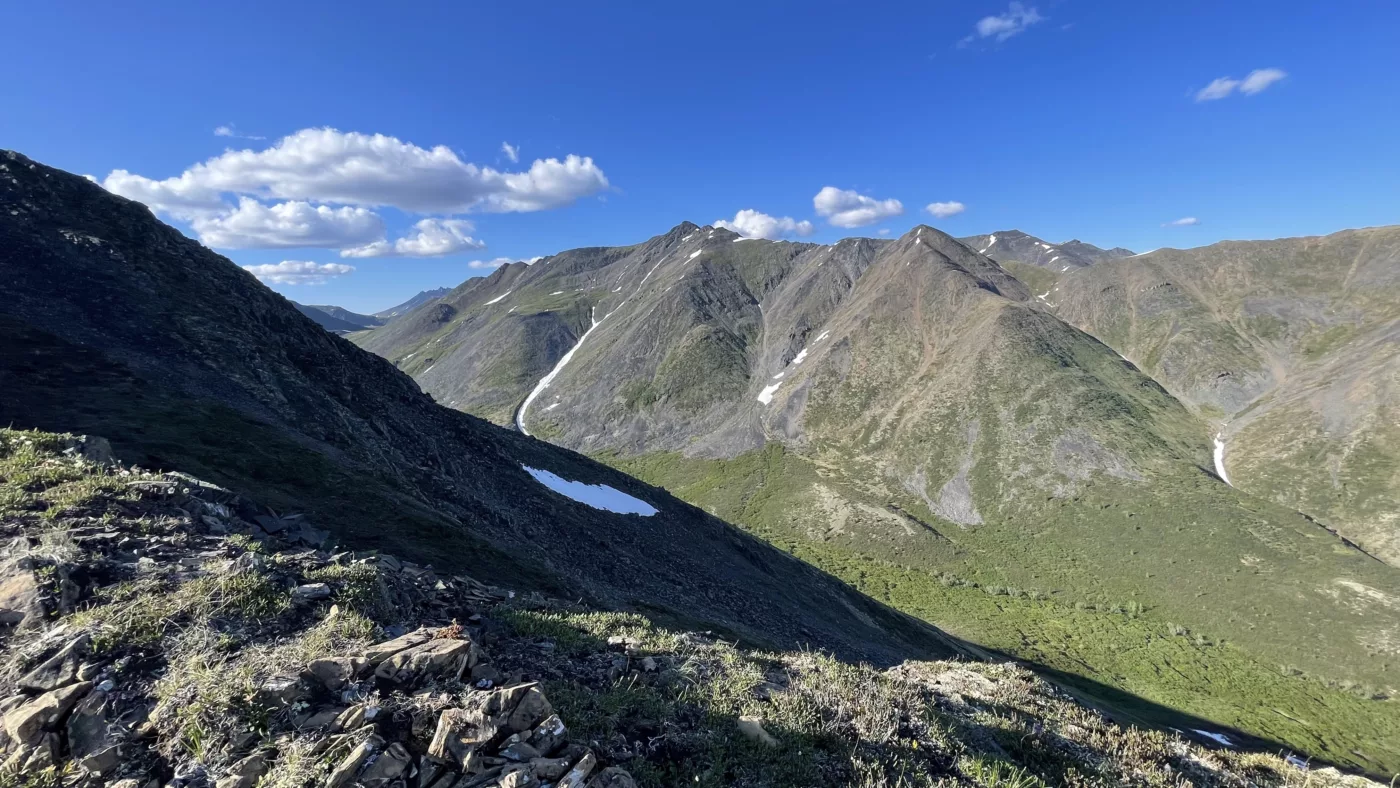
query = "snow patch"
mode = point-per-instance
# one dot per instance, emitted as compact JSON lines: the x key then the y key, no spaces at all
{"x":687,"y":238}
{"x":1218,"y":738}
{"x":823,"y":335}
{"x":498,"y":298}
{"x":599,"y":496}
{"x":766,"y":396}
{"x":695,"y":254}
{"x":991,"y":241}
{"x":802,"y":354}
{"x":551,"y":406}
{"x":557,"y":292}
{"x":1220,"y":460}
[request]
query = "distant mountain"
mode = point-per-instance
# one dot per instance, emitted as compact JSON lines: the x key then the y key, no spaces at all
{"x":1006,"y":246}
{"x":412,"y":303}
{"x":118,"y":325}
{"x":897,"y":410}
{"x":338,"y":320}
{"x":1290,"y":349}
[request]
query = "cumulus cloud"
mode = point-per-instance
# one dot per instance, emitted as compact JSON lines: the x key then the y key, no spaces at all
{"x":330,"y":166}
{"x":1254,"y":82}
{"x":846,"y":208}
{"x":943,"y":210}
{"x":1003,"y":26}
{"x":512,"y":152}
{"x":1185,"y":221}
{"x":298,"y":272}
{"x":430,"y":238}
{"x":755,"y":224}
{"x":253,"y":225}
{"x":181,"y":197}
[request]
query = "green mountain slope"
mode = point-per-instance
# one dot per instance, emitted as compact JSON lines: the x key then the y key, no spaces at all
{"x":1288,"y":348}
{"x":906,"y":413}
{"x":120,"y":326}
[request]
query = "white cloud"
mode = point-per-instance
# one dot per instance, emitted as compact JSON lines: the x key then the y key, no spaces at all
{"x":883,"y":231}
{"x":298,"y":272}
{"x":232,"y":131}
{"x":943,"y":210}
{"x":496,"y":263}
{"x":1003,"y":26}
{"x":512,"y":152}
{"x":1254,"y":82}
{"x":1185,"y":221}
{"x":253,"y":225}
{"x":1259,"y":79}
{"x":430,"y":238}
{"x":181,"y":197}
{"x":754,"y":224}
{"x":1218,"y":89}
{"x":329,"y":166}
{"x":846,"y":208}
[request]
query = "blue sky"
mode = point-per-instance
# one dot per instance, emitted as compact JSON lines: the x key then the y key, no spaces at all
{"x":1063,"y":118}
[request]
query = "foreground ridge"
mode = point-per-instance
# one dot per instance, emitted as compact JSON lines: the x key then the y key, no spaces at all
{"x":159,"y":630}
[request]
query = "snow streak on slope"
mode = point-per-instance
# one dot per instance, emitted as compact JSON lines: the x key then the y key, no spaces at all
{"x":548,"y":379}
{"x":1220,"y":460}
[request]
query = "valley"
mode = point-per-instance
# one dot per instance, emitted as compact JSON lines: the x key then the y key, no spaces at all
{"x":912,"y":416}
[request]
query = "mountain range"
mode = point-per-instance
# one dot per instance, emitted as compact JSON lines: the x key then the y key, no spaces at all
{"x":235,"y":385}
{"x":887,"y":449}
{"x":913,"y":415}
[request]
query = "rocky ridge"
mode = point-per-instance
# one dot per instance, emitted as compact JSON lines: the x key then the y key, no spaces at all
{"x":160,"y":630}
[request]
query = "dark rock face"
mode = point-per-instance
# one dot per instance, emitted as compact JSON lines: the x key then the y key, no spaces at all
{"x":125,"y":328}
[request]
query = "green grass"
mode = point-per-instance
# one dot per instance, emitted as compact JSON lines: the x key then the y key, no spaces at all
{"x":1140,"y":633}
{"x":840,"y":724}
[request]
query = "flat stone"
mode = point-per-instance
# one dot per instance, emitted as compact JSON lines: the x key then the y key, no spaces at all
{"x":530,"y":711}
{"x":580,"y":771}
{"x":519,"y":751}
{"x":549,"y":769}
{"x":549,"y":735}
{"x":350,"y":765}
{"x":436,"y":657}
{"x":335,"y":672}
{"x":322,"y":720}
{"x":33,"y":758}
{"x":21,"y":604}
{"x":391,"y":763}
{"x":27,"y":723}
{"x":59,"y":670}
{"x":103,"y":761}
{"x":88,"y":730}
{"x":247,"y":772}
{"x":279,"y":691}
{"x":91,"y":448}
{"x":311,"y":592}
{"x":519,"y":778}
{"x":381,"y":651}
